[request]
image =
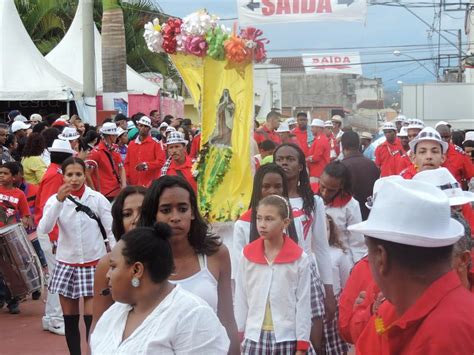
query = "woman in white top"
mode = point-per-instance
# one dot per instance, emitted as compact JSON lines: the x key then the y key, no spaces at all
{"x":151,"y":315}
{"x":80,"y":246}
{"x":310,"y":209}
{"x":202,"y":262}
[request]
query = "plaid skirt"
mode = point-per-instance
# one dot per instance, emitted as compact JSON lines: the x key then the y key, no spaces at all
{"x":267,"y":345}
{"x":333,"y":343}
{"x":72,"y":281}
{"x":317,"y":292}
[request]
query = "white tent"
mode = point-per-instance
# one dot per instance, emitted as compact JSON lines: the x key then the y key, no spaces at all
{"x":67,"y":57}
{"x":24,"y":73}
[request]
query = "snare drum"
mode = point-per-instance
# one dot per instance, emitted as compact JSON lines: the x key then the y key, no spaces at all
{"x":19,"y":264}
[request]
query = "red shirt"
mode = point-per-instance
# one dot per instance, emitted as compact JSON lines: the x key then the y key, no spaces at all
{"x":458,"y":163}
{"x":302,"y":139}
{"x":263,"y":133}
{"x":184,"y":171}
{"x":441,"y":321}
{"x":319,"y":153}
{"x":12,"y":202}
{"x":49,"y":185}
{"x":195,"y":146}
{"x":148,"y":151}
{"x":387,"y":157}
{"x":103,"y":176}
{"x":353,"y":319}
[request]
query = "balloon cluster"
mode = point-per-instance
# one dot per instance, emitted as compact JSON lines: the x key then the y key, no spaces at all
{"x":200,"y":35}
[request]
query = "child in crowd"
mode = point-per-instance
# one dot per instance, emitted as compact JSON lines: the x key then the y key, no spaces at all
{"x":335,"y":190}
{"x":341,"y":268}
{"x":265,"y":155}
{"x":274,"y":262}
{"x":13,"y":204}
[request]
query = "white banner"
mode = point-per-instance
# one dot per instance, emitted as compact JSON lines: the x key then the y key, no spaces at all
{"x":255,"y":12}
{"x":345,"y":63}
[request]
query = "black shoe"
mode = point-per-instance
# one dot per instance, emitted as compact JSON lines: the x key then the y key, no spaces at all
{"x":13,"y":308}
{"x":36,"y":295}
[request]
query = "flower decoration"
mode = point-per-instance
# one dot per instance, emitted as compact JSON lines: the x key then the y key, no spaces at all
{"x":200,"y":35}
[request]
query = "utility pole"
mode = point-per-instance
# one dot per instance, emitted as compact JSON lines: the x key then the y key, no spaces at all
{"x":88,"y":61}
{"x":460,"y":57}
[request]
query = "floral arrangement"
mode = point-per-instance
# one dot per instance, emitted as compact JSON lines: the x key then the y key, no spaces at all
{"x":199,"y":34}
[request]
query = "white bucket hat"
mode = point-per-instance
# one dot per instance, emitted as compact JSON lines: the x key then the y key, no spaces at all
{"x":428,"y":134}
{"x":365,"y":135}
{"x":120,"y":131}
{"x":163,"y":125}
{"x":176,"y":137}
{"x":444,"y":180}
{"x":20,"y":118}
{"x":425,"y":222}
{"x":336,"y":118}
{"x":400,"y":118}
{"x":442,"y":123}
{"x":415,"y":123}
{"x":170,"y":129}
{"x":403,"y":132}
{"x":290,"y":121}
{"x":19,"y":125}
{"x":69,"y":134}
{"x":469,"y":137}
{"x":144,"y":121}
{"x":389,"y":126}
{"x":378,"y":186}
{"x":316,"y":122}
{"x":283,"y":127}
{"x":130,"y":125}
{"x":109,"y":128}
{"x":61,"y":146}
{"x":328,"y":124}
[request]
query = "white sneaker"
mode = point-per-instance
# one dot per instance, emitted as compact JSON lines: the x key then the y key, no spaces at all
{"x":45,"y":322}
{"x":57,"y":329}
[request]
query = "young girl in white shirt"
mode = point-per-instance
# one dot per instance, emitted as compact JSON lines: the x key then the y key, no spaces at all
{"x":269,"y":322}
{"x":80,"y":246}
{"x":341,"y":267}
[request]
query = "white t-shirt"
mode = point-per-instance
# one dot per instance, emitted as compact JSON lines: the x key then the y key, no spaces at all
{"x":181,"y":324}
{"x":341,"y":268}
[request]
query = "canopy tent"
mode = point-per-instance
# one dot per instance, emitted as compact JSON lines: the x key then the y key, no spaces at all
{"x":67,"y":57}
{"x":24,"y":73}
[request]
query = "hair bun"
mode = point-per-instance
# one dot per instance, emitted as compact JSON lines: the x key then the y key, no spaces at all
{"x":162,"y":230}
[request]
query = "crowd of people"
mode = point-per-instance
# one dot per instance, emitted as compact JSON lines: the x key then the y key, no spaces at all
{"x":336,"y":250}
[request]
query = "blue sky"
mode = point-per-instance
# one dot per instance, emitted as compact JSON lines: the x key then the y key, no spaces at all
{"x":385,"y":26}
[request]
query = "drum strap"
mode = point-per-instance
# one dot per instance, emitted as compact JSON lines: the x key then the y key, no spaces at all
{"x":83,"y":208}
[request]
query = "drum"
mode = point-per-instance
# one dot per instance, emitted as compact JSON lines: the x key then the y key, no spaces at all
{"x":19,"y":264}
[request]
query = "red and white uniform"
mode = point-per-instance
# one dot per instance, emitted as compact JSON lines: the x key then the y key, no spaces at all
{"x":387,"y":158}
{"x":106,"y":171}
{"x":263,"y":133}
{"x":302,"y":139}
{"x":458,"y":164}
{"x":184,"y":170}
{"x":319,"y":155}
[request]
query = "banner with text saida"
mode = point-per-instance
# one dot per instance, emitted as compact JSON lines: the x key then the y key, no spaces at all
{"x":225,"y":101}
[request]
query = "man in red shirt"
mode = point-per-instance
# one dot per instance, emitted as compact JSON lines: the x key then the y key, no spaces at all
{"x":388,"y":154}
{"x":320,"y":151}
{"x":267,"y":131}
{"x":105,"y":172}
{"x":303,"y":135}
{"x":410,"y":257}
{"x":457,"y":162}
{"x":428,"y":151}
{"x":145,"y":157}
{"x":178,"y":163}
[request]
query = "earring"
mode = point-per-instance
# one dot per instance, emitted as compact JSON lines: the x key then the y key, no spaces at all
{"x":135,"y":282}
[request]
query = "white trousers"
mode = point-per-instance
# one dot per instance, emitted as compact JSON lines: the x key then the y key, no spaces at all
{"x":52,"y":312}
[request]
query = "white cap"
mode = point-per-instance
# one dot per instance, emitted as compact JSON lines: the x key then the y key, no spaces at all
{"x":389,"y":126}
{"x":283,"y":127}
{"x":109,"y":128}
{"x":120,"y":131}
{"x":61,"y":146}
{"x":144,"y":121}
{"x":328,"y":124}
{"x":316,"y":122}
{"x":366,"y":135}
{"x":170,"y":129}
{"x":69,"y":134}
{"x":336,"y":118}
{"x":424,"y":222}
{"x":403,"y":132}
{"x":290,"y":121}
{"x":400,"y":118}
{"x":469,"y":137}
{"x":20,"y":118}
{"x":64,"y":117}
{"x":36,"y":117}
{"x":19,"y":125}
{"x":415,"y":123}
{"x":428,"y":134}
{"x":444,"y":180}
{"x":176,"y":137}
{"x":437,"y":124}
{"x":163,"y":125}
{"x":130,"y":125}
